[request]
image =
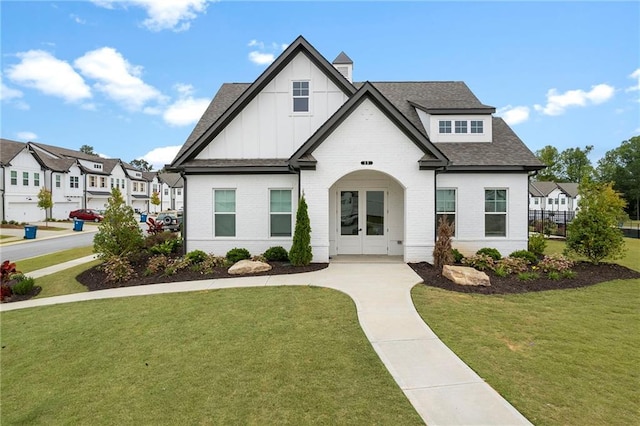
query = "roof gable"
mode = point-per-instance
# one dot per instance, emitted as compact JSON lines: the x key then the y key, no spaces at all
{"x":9,"y":149}
{"x":433,"y":157}
{"x":196,"y":144}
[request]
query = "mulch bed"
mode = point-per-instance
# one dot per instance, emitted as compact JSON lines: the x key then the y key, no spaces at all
{"x":95,"y":279}
{"x":586,"y":274}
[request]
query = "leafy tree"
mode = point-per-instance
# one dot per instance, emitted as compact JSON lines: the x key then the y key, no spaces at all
{"x":45,"y":202}
{"x":301,"y":253}
{"x":622,"y":167}
{"x":118,"y":234}
{"x":550,"y":157}
{"x":141,"y":164}
{"x":575,"y":164}
{"x":594,"y":232}
{"x":87,"y":149}
{"x":155,"y":199}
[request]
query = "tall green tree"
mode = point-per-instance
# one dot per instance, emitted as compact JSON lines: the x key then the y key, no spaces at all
{"x":45,"y":202}
{"x":550,"y":157}
{"x":301,"y":253}
{"x":593,"y":233}
{"x":87,"y":149}
{"x":575,"y":164}
{"x":119,"y":235}
{"x":141,"y":164}
{"x":622,"y":167}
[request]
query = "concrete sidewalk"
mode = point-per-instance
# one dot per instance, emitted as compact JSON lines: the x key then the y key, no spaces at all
{"x":442,"y":388}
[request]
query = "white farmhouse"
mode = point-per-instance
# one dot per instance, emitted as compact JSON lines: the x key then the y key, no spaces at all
{"x":377,"y":162}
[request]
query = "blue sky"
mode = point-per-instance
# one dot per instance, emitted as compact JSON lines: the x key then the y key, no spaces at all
{"x":131,"y":78}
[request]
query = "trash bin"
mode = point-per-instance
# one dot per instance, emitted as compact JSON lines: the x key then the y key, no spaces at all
{"x":77,"y":224}
{"x":30,"y":232}
{"x":143,"y":217}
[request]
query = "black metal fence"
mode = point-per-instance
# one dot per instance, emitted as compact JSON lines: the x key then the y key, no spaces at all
{"x":555,"y":223}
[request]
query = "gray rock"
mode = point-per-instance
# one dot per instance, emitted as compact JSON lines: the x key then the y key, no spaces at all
{"x":248,"y":267}
{"x":463,"y":275}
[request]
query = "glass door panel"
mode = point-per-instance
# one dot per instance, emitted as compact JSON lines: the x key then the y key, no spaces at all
{"x":349,"y":213}
{"x":375,"y":212}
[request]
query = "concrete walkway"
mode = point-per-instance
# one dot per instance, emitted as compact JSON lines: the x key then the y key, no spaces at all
{"x":442,"y":388}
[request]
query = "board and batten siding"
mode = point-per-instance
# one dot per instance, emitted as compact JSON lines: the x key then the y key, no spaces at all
{"x":368,"y":135}
{"x":252,"y":212}
{"x":470,"y":189}
{"x":267,"y":126}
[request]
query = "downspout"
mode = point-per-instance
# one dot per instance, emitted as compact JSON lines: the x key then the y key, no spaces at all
{"x":529,"y":176}
{"x":4,"y":177}
{"x":184,"y":212}
{"x":84,"y":191}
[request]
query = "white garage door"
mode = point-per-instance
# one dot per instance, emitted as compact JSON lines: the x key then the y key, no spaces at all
{"x":24,"y":212}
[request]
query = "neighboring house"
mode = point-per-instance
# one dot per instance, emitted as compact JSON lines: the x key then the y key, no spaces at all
{"x":171,"y":194}
{"x":377,"y":162}
{"x":552,"y":196}
{"x":76,"y":180}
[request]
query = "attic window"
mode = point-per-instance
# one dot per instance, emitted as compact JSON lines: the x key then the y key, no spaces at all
{"x":300,"y":96}
{"x":445,"y":126}
{"x":97,"y":166}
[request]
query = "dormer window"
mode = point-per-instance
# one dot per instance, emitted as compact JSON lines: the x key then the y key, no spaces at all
{"x":477,"y":126}
{"x":97,"y":166}
{"x":461,"y":126}
{"x":444,"y":126}
{"x":300,"y":96}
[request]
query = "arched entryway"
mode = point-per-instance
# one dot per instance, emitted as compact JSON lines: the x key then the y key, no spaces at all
{"x":366,"y":215}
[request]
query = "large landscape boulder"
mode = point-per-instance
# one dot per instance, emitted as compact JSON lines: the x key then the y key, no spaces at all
{"x":463,"y":275}
{"x":248,"y":267}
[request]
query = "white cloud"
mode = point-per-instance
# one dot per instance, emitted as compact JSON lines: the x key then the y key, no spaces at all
{"x":265,"y":54}
{"x":557,"y":103}
{"x":158,"y":157}
{"x":636,"y":76}
{"x":117,"y":78}
{"x":7,"y":93}
{"x":26,"y":136}
{"x":77,"y":19}
{"x":514,"y":115}
{"x":175,"y":15}
{"x":187,"y":109}
{"x":42,"y":71}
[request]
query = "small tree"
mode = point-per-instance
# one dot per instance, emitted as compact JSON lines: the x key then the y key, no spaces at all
{"x":594,"y":232}
{"x":87,"y":149}
{"x":442,"y":254}
{"x":155,"y":199}
{"x":118,"y":234}
{"x":45,"y":202}
{"x":301,"y":253}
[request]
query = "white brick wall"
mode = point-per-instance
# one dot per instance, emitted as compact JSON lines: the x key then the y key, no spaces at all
{"x":470,"y":210}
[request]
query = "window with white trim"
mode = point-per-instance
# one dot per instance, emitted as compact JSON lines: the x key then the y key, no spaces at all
{"x":74,"y":182}
{"x":111,"y":183}
{"x":166,"y":191}
{"x":36,"y":179}
{"x":58,"y":181}
{"x":444,"y":126}
{"x":92,"y":181}
{"x":135,"y":186}
{"x":446,"y":206}
{"x":179,"y":191}
{"x":550,"y":201}
{"x":461,"y":126}
{"x":477,"y":126}
{"x":14,"y":177}
{"x":536,"y":201}
{"x":563,"y":201}
{"x":300,"y":96}
{"x":495,"y":212}
{"x":103,"y":182}
{"x":224,"y":207}
{"x":25,"y":178}
{"x":141,"y":187}
{"x":280,"y":212}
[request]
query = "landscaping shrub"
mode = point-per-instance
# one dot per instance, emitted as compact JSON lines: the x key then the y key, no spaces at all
{"x":23,"y":286}
{"x":118,"y":233}
{"x":277,"y":254}
{"x":457,"y":256}
{"x":526,"y":255}
{"x":537,"y":244}
{"x":259,"y":258}
{"x":167,"y":247}
{"x":442,"y":251}
{"x":152,"y":240}
{"x":118,"y":269}
{"x":481,"y":262}
{"x":156,"y":264}
{"x":301,"y":252}
{"x":237,"y":254}
{"x":5,"y":291}
{"x":7,"y":270}
{"x":211,"y":263}
{"x":512,"y":265}
{"x":555,"y":263}
{"x":528,"y":276}
{"x":196,"y":256}
{"x":491,"y":252}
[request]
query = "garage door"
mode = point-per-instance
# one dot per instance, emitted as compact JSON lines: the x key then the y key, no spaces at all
{"x":24,"y":212}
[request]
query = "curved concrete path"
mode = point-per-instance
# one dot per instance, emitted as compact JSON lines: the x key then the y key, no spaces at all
{"x":442,"y":388}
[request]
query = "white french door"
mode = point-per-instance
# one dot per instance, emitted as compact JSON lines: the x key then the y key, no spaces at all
{"x":362,"y":227}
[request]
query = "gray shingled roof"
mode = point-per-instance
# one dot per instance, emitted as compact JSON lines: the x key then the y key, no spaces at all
{"x":9,"y":149}
{"x":342,"y":58}
{"x":541,"y":189}
{"x":174,"y":180}
{"x":569,"y":188}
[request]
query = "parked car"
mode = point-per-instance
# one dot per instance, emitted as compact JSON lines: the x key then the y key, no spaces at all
{"x":171,"y":220}
{"x":86,"y":214}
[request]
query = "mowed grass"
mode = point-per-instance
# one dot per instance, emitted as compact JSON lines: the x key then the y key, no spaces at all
{"x":280,"y":355}
{"x":631,"y":258}
{"x":560,"y":357}
{"x":56,"y":258}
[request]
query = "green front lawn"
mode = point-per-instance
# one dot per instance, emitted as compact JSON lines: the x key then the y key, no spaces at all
{"x":56,"y":258}
{"x":282,"y":355}
{"x":560,"y":357}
